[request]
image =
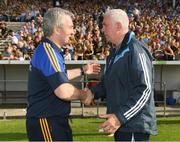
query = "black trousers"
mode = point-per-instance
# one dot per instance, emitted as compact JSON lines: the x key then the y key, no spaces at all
{"x":48,"y":129}
{"x":131,"y":137}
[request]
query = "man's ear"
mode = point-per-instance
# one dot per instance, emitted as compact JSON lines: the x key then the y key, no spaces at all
{"x":118,"y":26}
{"x":57,"y":30}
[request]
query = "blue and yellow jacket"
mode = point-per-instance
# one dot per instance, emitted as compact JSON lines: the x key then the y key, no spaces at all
{"x":46,"y":73}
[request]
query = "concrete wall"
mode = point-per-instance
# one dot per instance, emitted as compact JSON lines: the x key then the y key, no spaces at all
{"x":169,"y":74}
{"x":16,"y":73}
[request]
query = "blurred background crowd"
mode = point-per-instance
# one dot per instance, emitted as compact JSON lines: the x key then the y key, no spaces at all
{"x":155,"y":22}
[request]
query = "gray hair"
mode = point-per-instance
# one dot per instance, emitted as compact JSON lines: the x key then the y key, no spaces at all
{"x":118,"y":15}
{"x":53,"y":18}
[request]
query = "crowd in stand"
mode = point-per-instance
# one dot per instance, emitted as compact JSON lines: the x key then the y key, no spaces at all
{"x":157,"y":25}
{"x":22,"y":10}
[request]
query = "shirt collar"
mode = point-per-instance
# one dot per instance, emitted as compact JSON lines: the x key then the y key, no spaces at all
{"x":54,"y":45}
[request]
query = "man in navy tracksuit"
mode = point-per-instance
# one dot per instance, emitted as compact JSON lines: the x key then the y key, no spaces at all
{"x":49,"y":90}
{"x":127,"y":83}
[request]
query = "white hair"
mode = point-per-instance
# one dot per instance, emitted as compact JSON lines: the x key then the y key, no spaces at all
{"x":118,"y":15}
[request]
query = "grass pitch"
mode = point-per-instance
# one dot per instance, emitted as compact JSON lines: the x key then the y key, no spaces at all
{"x":87,"y":130}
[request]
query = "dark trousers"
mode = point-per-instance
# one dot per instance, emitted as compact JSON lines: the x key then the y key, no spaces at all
{"x":132,"y":137}
{"x":48,"y":129}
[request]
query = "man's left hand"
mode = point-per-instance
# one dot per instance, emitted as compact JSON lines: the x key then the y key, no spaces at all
{"x":92,"y":68}
{"x":111,"y":125}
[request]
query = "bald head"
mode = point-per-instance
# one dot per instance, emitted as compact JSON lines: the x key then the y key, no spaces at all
{"x":118,"y":15}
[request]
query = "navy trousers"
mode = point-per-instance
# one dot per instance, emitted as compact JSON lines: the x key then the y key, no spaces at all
{"x":131,"y":137}
{"x":48,"y":129}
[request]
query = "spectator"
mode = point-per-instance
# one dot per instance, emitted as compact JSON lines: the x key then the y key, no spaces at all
{"x":7,"y":53}
{"x":67,"y":55}
{"x":148,"y":20}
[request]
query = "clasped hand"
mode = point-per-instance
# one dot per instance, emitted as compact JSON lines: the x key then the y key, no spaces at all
{"x":88,"y":97}
{"x":92,"y":68}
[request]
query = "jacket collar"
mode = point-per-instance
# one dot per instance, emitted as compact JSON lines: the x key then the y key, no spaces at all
{"x":127,"y":39}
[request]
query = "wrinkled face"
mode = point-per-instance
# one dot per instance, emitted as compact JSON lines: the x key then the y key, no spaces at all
{"x":109,"y":29}
{"x":66,"y":30}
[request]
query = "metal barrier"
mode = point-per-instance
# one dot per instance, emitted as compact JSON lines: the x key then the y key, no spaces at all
{"x":84,"y":80}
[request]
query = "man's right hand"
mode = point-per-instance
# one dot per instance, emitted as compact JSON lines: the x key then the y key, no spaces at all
{"x":88,"y":97}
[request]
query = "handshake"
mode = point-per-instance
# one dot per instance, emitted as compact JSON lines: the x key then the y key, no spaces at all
{"x":87,"y":97}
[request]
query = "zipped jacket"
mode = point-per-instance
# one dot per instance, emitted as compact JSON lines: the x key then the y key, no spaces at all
{"x":127,"y":84}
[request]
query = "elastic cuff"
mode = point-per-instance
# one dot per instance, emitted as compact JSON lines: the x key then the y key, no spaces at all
{"x":121,"y":118}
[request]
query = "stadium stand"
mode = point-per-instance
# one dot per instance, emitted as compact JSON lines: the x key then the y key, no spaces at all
{"x":156,"y":24}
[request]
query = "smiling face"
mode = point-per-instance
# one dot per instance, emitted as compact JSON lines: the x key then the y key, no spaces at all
{"x":66,"y":30}
{"x":58,"y":25}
